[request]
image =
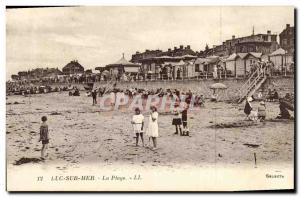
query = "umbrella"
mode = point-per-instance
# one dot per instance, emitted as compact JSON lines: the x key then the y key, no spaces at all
{"x":218,"y":86}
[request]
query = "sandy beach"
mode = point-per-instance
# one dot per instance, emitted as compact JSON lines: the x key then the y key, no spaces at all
{"x":81,"y":133}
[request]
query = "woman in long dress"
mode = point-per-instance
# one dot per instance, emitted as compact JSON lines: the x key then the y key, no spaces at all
{"x":152,"y":131}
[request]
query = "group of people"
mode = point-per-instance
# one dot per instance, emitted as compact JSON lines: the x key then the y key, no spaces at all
{"x":138,"y":126}
{"x":180,"y":121}
{"x":286,"y":103}
{"x":138,"y":122}
{"x":259,"y":114}
{"x":30,"y":89}
{"x":199,"y":99}
{"x":272,"y":95}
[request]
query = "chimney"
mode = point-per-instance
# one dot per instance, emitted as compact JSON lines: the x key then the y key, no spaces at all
{"x":287,"y":25}
{"x":233,"y":37}
{"x":169,"y":49}
{"x":268,"y":32}
{"x":181,"y":46}
{"x":188,"y":46}
{"x":175,"y":48}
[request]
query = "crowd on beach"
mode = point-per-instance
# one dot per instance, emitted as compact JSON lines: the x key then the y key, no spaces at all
{"x":286,"y":104}
{"x":25,"y":89}
{"x":179,"y":114}
{"x":198,"y":99}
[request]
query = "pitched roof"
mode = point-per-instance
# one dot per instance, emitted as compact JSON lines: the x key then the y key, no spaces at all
{"x":122,"y":61}
{"x":279,"y":51}
{"x":257,"y":55}
{"x":232,"y":57}
{"x":242,"y":55}
{"x":73,"y":64}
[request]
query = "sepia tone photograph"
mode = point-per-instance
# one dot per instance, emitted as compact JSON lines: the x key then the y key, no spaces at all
{"x":152,"y":98}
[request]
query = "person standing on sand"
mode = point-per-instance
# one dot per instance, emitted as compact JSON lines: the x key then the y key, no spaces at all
{"x":152,"y":131}
{"x":248,"y":107}
{"x":44,"y":136}
{"x":94,"y":95}
{"x":138,"y":125}
{"x":262,"y":111}
{"x":177,"y":120}
{"x":184,"y":121}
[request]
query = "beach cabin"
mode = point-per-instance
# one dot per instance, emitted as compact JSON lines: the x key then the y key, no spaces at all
{"x":281,"y":60}
{"x":240,"y":63}
{"x":205,"y":65}
{"x":179,"y":69}
{"x":230,"y":63}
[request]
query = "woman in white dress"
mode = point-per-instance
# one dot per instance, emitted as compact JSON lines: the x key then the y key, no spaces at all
{"x":138,"y":125}
{"x":152,"y":131}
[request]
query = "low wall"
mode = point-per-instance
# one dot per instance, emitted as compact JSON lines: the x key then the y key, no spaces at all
{"x":282,"y":84}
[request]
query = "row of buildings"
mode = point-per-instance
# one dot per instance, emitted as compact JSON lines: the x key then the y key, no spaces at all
{"x":72,"y":68}
{"x":234,"y":57}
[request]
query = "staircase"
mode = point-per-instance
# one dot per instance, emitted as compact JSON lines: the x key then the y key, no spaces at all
{"x":109,"y":85}
{"x":253,"y":83}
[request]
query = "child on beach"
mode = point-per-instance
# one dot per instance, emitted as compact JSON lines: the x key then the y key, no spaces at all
{"x":184,"y":121}
{"x":44,"y":136}
{"x":152,"y":131}
{"x":262,"y":111}
{"x":138,"y":125}
{"x":177,"y":120}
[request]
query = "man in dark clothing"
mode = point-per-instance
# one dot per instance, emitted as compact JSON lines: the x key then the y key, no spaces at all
{"x":94,"y":95}
{"x":284,"y":106}
{"x":184,"y":122}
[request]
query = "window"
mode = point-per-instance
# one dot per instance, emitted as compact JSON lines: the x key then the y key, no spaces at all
{"x":284,"y":41}
{"x":197,"y":68}
{"x":205,"y":68}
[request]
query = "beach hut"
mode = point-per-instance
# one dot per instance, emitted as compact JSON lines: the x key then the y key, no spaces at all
{"x":230,"y":63}
{"x":240,"y":63}
{"x":281,"y":59}
{"x":206,"y":65}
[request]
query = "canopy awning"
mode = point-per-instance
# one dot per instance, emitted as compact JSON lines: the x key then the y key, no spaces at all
{"x":131,"y":69}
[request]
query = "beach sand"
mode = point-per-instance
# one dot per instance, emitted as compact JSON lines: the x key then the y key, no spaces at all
{"x":83,"y":135}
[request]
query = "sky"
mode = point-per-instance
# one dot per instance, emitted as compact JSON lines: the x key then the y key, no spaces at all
{"x":97,"y":36}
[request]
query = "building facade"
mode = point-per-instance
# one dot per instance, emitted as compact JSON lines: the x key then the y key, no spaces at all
{"x":176,"y":52}
{"x":287,"y":39}
{"x":152,"y":61}
{"x":73,"y":68}
{"x":260,"y":43}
